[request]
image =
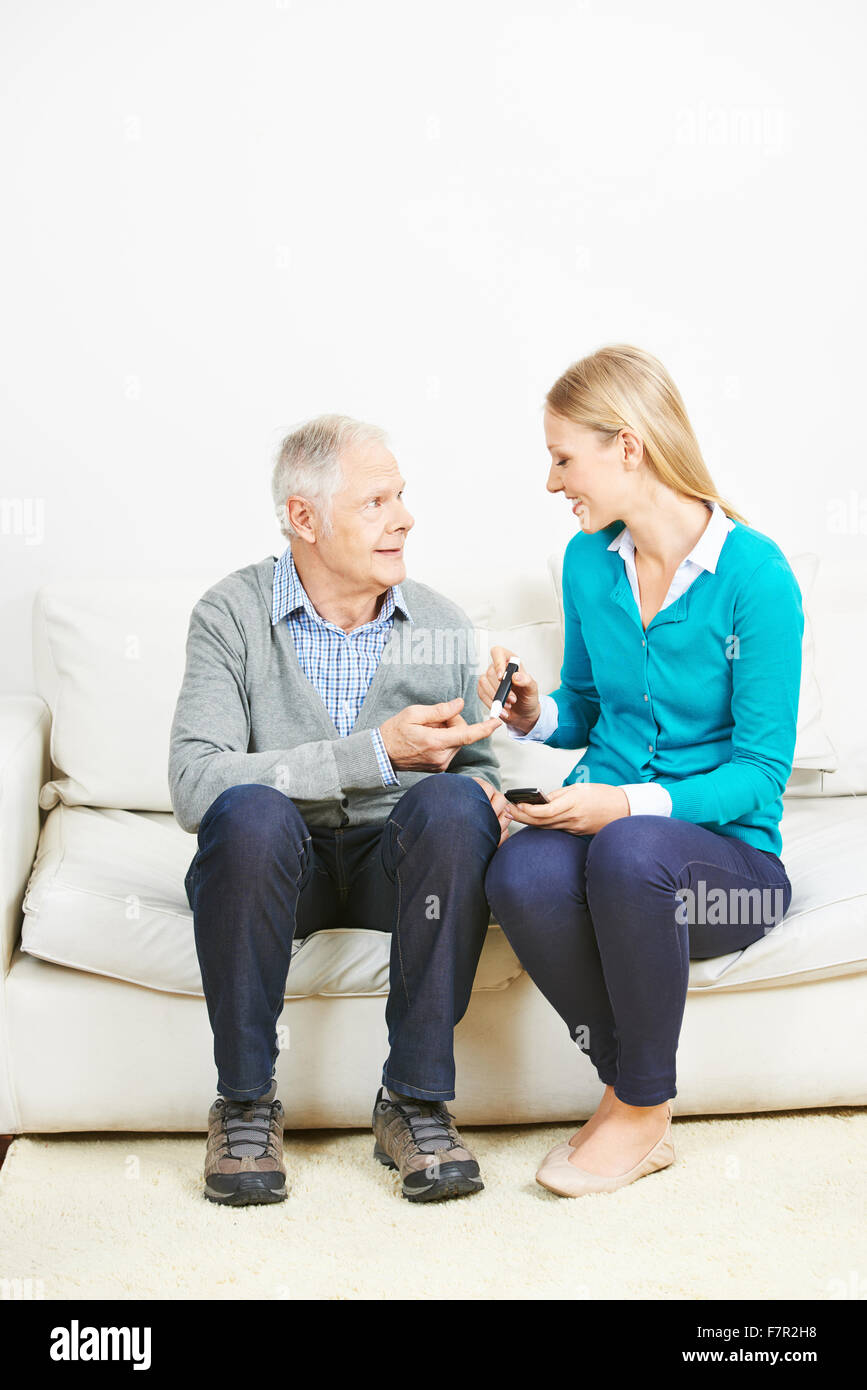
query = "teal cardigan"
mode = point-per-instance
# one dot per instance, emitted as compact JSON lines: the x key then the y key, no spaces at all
{"x":705,"y":702}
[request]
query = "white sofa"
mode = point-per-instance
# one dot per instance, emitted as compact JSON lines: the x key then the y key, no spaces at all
{"x":102,"y":1019}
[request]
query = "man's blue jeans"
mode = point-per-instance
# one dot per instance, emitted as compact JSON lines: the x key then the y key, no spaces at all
{"x":261,"y":876}
{"x":597,"y":923}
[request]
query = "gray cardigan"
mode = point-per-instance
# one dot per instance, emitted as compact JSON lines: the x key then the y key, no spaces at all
{"x":247,"y":713}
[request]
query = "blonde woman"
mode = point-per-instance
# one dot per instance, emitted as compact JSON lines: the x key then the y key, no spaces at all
{"x":681,"y":676}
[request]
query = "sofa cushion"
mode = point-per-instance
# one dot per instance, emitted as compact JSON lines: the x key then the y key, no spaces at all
{"x":109,"y":658}
{"x":824,"y":933}
{"x":838,"y":603}
{"x":106,"y":896}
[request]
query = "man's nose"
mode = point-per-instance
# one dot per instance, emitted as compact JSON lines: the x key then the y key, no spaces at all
{"x":404,"y":520}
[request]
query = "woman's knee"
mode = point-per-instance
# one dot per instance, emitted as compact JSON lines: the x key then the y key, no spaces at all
{"x":627,"y":864}
{"x":504,"y":881}
{"x":629,"y":846}
{"x":532,"y":866}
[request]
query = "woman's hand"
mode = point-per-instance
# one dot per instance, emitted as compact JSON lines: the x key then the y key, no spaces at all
{"x":582,"y":809}
{"x":522,"y":708}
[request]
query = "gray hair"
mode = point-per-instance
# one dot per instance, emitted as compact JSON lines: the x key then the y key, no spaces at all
{"x":308,"y":464}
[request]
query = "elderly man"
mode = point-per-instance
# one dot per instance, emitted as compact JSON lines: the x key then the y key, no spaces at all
{"x":335,"y":779}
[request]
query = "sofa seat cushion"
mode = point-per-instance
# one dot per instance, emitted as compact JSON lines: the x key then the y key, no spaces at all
{"x":824,"y":933}
{"x":107,"y":895}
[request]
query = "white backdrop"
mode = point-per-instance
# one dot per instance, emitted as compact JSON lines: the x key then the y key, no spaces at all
{"x":223,"y":218}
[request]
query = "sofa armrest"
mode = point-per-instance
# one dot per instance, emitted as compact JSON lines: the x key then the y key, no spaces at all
{"x":25,"y":724}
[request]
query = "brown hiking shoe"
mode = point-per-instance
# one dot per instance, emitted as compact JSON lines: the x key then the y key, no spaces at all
{"x":244,"y":1159}
{"x":418,"y":1138}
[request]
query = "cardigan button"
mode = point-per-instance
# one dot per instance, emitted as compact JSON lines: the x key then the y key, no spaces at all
{"x":645,"y":697}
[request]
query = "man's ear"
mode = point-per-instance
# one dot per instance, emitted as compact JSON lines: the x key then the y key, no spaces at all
{"x":302,"y":518}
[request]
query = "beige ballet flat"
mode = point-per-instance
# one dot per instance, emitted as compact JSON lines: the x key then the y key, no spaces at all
{"x":560,"y":1176}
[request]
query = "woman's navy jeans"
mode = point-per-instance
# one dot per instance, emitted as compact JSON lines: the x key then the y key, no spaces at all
{"x":602,"y":925}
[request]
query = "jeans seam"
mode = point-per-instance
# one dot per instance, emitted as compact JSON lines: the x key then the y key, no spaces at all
{"x":398,"y":1084}
{"x":305,"y":855}
{"x":245,"y":1090}
{"x":707,"y":862}
{"x":753,"y":880}
{"x":644,"y":1100}
{"x":338,"y":860}
{"x":398,"y":829}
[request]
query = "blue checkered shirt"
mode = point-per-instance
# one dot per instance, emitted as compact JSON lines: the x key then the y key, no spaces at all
{"x":339,"y":665}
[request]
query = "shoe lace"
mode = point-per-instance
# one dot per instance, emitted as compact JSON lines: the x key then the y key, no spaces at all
{"x":430,"y":1126}
{"x":247,"y":1128}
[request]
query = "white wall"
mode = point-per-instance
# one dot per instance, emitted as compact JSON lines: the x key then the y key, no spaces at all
{"x":223,"y":218}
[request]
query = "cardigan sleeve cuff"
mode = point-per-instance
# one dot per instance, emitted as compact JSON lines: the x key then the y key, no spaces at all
{"x":647,"y":799}
{"x":544,"y":726}
{"x":357,"y":761}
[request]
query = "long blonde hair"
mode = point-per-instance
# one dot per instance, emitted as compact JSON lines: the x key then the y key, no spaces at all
{"x":622,"y":387}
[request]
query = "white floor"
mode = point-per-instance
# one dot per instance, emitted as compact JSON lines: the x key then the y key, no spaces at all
{"x":756,"y":1207}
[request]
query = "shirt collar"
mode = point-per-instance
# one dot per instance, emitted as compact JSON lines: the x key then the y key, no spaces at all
{"x":706,"y":551}
{"x":290,"y":595}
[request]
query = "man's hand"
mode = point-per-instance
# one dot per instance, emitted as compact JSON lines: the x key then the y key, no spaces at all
{"x":582,"y":809}
{"x":522,"y":708}
{"x":427,"y":737}
{"x":501,"y":807}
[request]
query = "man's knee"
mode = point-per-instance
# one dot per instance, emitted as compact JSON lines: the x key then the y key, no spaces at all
{"x":448,"y":800}
{"x":251,"y":818}
{"x":446,"y":819}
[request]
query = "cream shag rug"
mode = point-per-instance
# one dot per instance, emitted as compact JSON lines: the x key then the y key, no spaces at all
{"x":769,"y":1206}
